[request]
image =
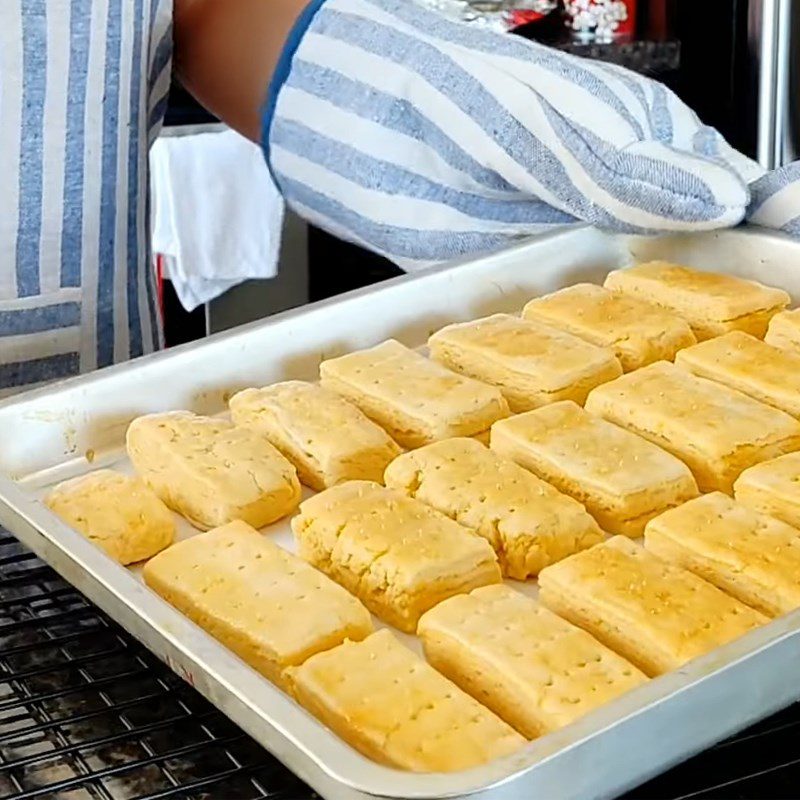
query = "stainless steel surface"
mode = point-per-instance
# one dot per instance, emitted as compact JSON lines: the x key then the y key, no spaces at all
{"x":763,"y":41}
{"x":783,"y":56}
{"x":789,"y":125}
{"x":80,"y":424}
{"x":772,"y":34}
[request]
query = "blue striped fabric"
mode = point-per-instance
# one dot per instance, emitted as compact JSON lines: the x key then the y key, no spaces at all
{"x":111,"y":127}
{"x":72,"y":222}
{"x":135,"y":145}
{"x":369,"y":172}
{"x":82,"y":91}
{"x":394,"y":113}
{"x":16,"y":375}
{"x":38,"y":319}
{"x":492,"y":43}
{"x":404,"y":243}
{"x":31,"y":134}
{"x":422,"y":138}
{"x":160,"y":75}
{"x":776,"y":200}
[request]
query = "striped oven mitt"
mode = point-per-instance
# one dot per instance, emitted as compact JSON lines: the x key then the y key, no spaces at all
{"x":776,"y":200}
{"x":424,"y":139}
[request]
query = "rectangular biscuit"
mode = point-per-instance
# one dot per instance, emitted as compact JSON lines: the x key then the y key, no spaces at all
{"x":622,"y":479}
{"x":638,"y":332}
{"x":395,"y":709}
{"x":784,"y":330}
{"x":712,"y":303}
{"x":397,"y":555}
{"x":756,"y":368}
{"x":772,"y":487}
{"x":528,"y":522}
{"x":211,"y":472}
{"x":717,"y":431}
{"x":415,"y":400}
{"x":651,"y":612}
{"x":266,"y":605}
{"x":533,"y":669}
{"x":328,"y":439}
{"x":118,"y":513}
{"x":531,"y":363}
{"x":749,"y":555}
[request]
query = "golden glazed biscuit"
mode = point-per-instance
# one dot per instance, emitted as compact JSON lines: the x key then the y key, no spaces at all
{"x":717,"y":431}
{"x":396,"y":554}
{"x":743,"y":362}
{"x":531,"y":363}
{"x":622,"y":479}
{"x":417,"y":401}
{"x":211,"y":472}
{"x":711,"y":303}
{"x":651,"y":612}
{"x":327,"y":438}
{"x":269,"y":607}
{"x":784,"y":330}
{"x":116,"y":512}
{"x":533,"y":669}
{"x":528,"y":522}
{"x":638,"y":332}
{"x":394,"y":708}
{"x":772,"y":487}
{"x":751,"y":556}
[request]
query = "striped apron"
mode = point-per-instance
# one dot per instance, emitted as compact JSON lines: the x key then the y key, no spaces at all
{"x":83,"y":87}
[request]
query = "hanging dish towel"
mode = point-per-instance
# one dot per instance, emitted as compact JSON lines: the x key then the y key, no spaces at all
{"x":217,"y":215}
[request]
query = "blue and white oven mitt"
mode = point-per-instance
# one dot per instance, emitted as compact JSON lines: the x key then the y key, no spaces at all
{"x":776,"y":200}
{"x":424,"y":139}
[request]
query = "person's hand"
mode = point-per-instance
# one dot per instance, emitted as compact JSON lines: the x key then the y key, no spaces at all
{"x":425,"y":139}
{"x":776,"y":200}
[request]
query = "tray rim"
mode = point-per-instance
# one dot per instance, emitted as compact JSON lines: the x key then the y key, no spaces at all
{"x":117,"y":591}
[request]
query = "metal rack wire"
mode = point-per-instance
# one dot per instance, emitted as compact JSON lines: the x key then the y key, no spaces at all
{"x":86,"y":712}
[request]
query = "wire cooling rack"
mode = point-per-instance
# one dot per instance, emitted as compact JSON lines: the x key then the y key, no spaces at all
{"x":86,"y":713}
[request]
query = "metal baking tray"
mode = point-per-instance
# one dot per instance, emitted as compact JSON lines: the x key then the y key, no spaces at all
{"x":78,"y":425}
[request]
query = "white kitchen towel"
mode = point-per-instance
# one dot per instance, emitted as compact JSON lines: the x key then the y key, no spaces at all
{"x":216,"y":213}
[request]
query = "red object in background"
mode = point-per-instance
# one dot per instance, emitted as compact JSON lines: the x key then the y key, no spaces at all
{"x":519,"y":17}
{"x":524,"y":12}
{"x":658,"y":18}
{"x":627,"y":29}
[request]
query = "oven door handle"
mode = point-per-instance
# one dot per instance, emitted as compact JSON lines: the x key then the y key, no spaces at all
{"x":771,"y":23}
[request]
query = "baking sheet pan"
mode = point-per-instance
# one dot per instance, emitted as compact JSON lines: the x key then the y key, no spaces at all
{"x":79,"y":425}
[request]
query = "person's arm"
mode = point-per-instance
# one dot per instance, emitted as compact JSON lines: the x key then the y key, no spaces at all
{"x":425,"y":140}
{"x":226,"y":52}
